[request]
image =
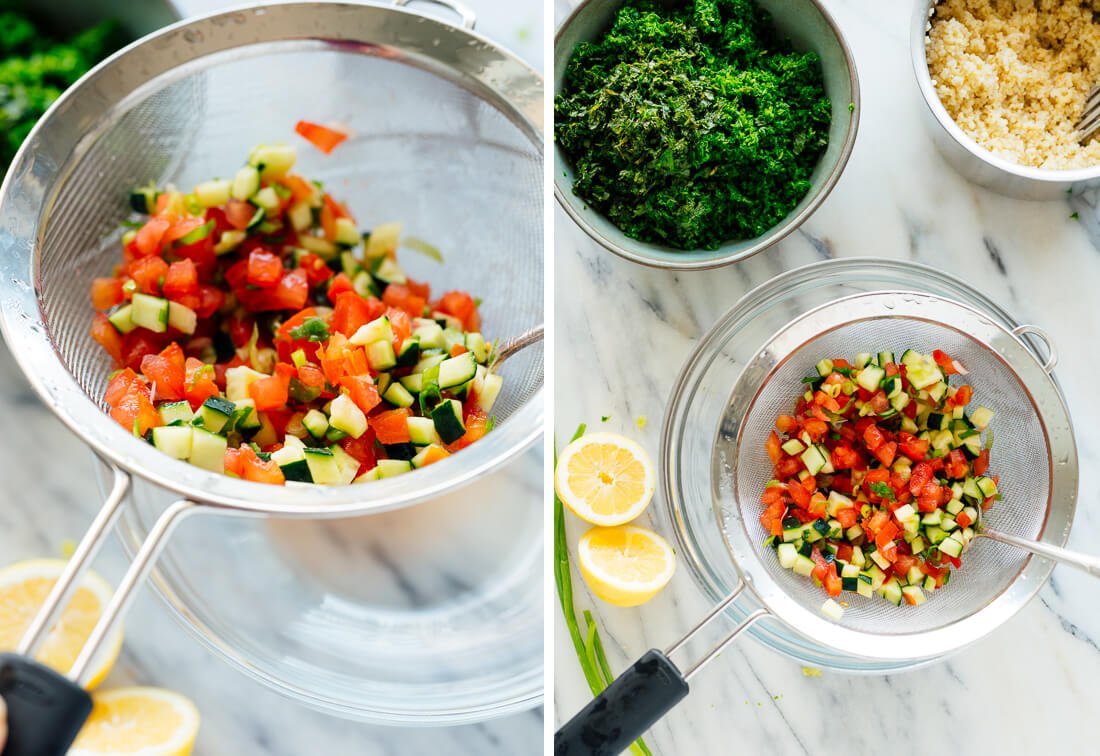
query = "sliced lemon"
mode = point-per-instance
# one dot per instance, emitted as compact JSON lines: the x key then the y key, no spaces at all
{"x":605,"y":479}
{"x":625,"y":565}
{"x":138,"y":722}
{"x":23,"y":589}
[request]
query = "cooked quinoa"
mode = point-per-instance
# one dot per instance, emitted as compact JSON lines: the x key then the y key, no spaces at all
{"x":1014,"y":75}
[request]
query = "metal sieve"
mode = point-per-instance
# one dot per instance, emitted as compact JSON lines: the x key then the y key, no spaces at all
{"x":447,"y":138}
{"x":1035,"y":454}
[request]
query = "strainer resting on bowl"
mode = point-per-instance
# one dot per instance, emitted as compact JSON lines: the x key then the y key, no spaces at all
{"x":448,"y":140}
{"x":1035,"y":455}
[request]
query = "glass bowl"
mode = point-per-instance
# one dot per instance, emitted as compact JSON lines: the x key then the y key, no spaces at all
{"x":700,"y":398}
{"x":427,"y":615}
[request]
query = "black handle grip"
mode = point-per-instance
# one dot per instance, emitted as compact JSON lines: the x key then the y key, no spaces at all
{"x":625,"y":710}
{"x":45,"y":710}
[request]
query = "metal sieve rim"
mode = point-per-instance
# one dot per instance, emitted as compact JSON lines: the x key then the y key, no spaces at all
{"x":29,"y":189}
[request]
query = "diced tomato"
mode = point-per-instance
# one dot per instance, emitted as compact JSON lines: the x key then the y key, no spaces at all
{"x":462,"y":306}
{"x":106,"y":293}
{"x":182,"y":278}
{"x":391,"y":427}
{"x":199,"y":382}
{"x":232,"y":462}
{"x":107,"y":336}
{"x":211,"y":299}
{"x":136,"y":413}
{"x":815,"y":428}
{"x":799,"y":495}
{"x":300,"y":188}
{"x":981,"y":464}
{"x":255,"y":469}
{"x":290,"y":293}
{"x":773,"y":446}
{"x":963,"y":519}
{"x":149,"y":273}
{"x":362,"y":391}
{"x":322,"y":137}
{"x":886,"y":453}
{"x":311,"y":375}
{"x":788,"y":467}
{"x":272,"y":393}
{"x":921,"y":477}
{"x":786,"y":424}
{"x":239,"y":213}
{"x":832,"y":581}
{"x":956,"y":466}
{"x":122,"y":383}
{"x":912,"y":447}
{"x":846,"y":517}
{"x":264,"y":269}
{"x":817,"y":504}
{"x":317,"y":270}
{"x":873,"y":437}
{"x":340,"y":284}
{"x":165,"y":372}
{"x":477,"y":424}
{"x":181,"y":228}
{"x":351,"y":312}
{"x":362,"y":450}
{"x":947,"y":365}
{"x":963,"y":396}
{"x":150,"y":236}
{"x":401,"y":297}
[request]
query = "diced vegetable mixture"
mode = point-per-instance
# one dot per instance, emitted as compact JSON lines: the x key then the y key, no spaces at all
{"x":258,"y":333}
{"x":879,"y":476}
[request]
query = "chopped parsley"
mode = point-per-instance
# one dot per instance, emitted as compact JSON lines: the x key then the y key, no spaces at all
{"x":883,"y":490}
{"x":692,"y":125}
{"x":313,"y":329}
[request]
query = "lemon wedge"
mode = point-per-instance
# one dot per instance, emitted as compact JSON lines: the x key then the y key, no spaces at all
{"x":23,"y":589}
{"x":625,"y":565}
{"x":605,"y":479}
{"x":138,"y":722}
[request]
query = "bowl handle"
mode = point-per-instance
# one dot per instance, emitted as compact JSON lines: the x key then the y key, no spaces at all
{"x":469,"y":18}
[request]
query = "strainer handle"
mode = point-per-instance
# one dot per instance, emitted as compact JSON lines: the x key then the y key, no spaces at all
{"x":1048,"y":343}
{"x":1084,"y":562}
{"x":45,"y":710}
{"x":622,"y":713}
{"x":469,"y":18}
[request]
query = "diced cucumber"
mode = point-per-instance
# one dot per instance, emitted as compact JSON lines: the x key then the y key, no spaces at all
{"x":398,"y":395}
{"x":412,"y":383}
{"x":323,"y":248}
{"x":273,"y":159}
{"x":410,"y":352}
{"x":173,"y":440}
{"x":892,"y":591}
{"x":952,"y":545}
{"x":322,"y":466}
{"x":214,"y":414}
{"x":378,"y":329}
{"x":986,"y":486}
{"x":431,"y":450}
{"x":208,"y":450}
{"x":383,"y":240}
{"x":475,"y":342}
{"x":229,"y":241}
{"x":182,"y":318}
{"x":123,"y":321}
{"x":389,"y":468}
{"x":832,"y":610}
{"x":487,"y":389}
{"x":447,"y":417}
{"x":389,"y":272}
{"x":457,"y":370}
{"x":885,"y":358}
{"x":149,"y":312}
{"x":793,"y":447}
{"x":814,"y":460}
{"x":345,"y":415}
{"x":291,"y":452}
{"x":245,"y":183}
{"x":246,"y":417}
{"x":175,"y":413}
{"x":429,"y":333}
{"x":863,"y":359}
{"x":870,"y":377}
{"x":300,"y":215}
{"x":316,"y":423}
{"x":824,"y":368}
{"x":864,"y":585}
{"x":380,"y":355}
{"x":422,"y":431}
{"x":213,"y":193}
{"x":429,"y":361}
{"x":346,"y":232}
{"x":981,"y":417}
{"x":913,"y":595}
{"x":296,"y":470}
{"x":237,"y":381}
{"x":347,"y":464}
{"x":787,"y":555}
{"x":803,"y":566}
{"x":372,"y":474}
{"x":268,"y":200}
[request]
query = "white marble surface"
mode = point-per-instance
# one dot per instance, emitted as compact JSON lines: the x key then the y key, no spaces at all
{"x":50,"y":496}
{"x":1032,"y":685}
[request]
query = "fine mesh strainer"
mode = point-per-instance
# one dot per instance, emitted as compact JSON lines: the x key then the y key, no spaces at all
{"x":1035,"y":455}
{"x":447,"y":139}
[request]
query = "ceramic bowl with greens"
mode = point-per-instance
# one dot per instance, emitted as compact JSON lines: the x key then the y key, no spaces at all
{"x":695,"y":134}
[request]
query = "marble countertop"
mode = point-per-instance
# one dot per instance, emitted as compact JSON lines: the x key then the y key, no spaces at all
{"x":1026,"y":688}
{"x":48,"y":503}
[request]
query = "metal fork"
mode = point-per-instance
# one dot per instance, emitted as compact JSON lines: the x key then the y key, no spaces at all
{"x":1089,"y":122}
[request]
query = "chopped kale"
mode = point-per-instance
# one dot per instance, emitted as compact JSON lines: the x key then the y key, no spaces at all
{"x":692,"y":125}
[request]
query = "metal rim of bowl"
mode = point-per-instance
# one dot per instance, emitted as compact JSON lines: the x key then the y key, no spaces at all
{"x":922,"y":16}
{"x":779,"y":232}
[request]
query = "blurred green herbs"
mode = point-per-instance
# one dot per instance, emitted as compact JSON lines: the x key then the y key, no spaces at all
{"x":692,"y":124}
{"x":35,"y":68}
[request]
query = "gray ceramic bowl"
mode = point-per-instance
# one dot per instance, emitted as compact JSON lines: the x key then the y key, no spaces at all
{"x":966,"y":156}
{"x":809,"y":27}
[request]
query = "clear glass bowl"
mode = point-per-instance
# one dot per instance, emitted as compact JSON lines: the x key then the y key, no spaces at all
{"x":700,"y":398}
{"x":431,"y":614}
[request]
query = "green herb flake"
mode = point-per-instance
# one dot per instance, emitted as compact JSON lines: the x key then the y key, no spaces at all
{"x":883,"y":490}
{"x":692,"y":124}
{"x":313,"y":329}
